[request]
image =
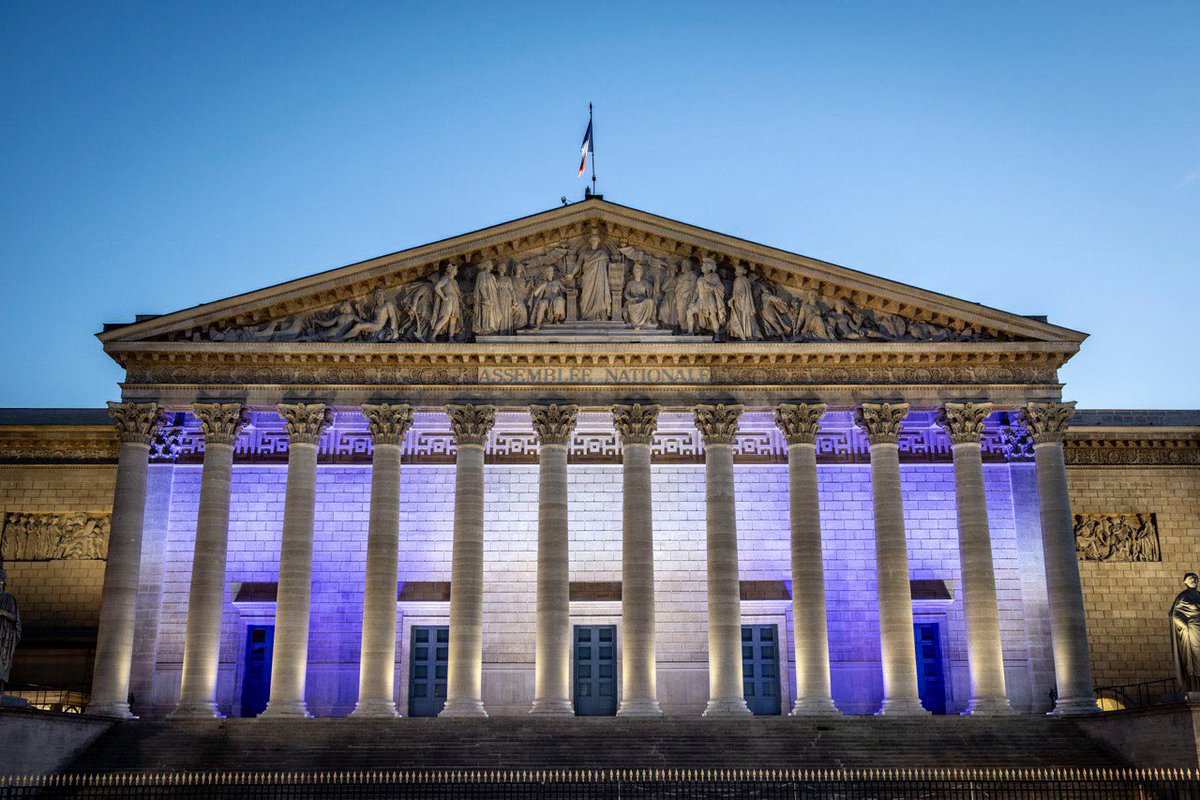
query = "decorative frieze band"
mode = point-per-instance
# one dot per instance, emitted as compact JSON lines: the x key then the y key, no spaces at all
{"x":50,"y":536}
{"x":1129,"y":536}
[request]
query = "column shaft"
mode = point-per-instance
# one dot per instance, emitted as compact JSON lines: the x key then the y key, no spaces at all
{"x":464,"y":693}
{"x":289,"y":668}
{"x":201,"y":653}
{"x":552,"y":671}
{"x":118,"y":599}
{"x":725,"y":693}
{"x":639,"y":675}
{"x":897,"y":643}
{"x":377,"y":671}
{"x":808,"y":585}
{"x":1068,"y":621}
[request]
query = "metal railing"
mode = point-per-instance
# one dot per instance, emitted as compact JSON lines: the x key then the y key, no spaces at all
{"x":45,"y":698}
{"x":647,"y":784}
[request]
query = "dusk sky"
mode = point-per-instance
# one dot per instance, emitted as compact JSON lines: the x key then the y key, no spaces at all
{"x":1042,"y":158}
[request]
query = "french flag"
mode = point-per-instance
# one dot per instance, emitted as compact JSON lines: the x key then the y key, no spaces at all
{"x":585,"y":148}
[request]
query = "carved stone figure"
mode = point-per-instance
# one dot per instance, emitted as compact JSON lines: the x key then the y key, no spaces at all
{"x":685,"y":294}
{"x":488,"y":314}
{"x":666,"y":295}
{"x":640,"y":308}
{"x":808,"y":319}
{"x":520,"y":284}
{"x":50,"y":536}
{"x":10,"y":628}
{"x":549,"y":301}
{"x":506,"y":298}
{"x":774,"y":313}
{"x":1117,"y":537}
{"x":743,"y":318}
{"x":417,"y":306}
{"x":447,"y":305}
{"x":1185,"y":633}
{"x":707,"y":311}
{"x":383,"y":324}
{"x":591,"y":276}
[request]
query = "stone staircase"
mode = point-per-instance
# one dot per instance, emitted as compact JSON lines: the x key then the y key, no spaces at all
{"x":523,"y":743}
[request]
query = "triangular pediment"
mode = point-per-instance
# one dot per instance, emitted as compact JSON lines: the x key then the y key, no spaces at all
{"x":592,"y":271}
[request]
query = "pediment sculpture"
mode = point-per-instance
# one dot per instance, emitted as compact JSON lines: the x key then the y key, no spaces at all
{"x":592,"y":279}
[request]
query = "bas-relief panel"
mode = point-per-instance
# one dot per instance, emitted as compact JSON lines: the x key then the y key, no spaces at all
{"x":591,"y":278}
{"x":1117,"y":537}
{"x":40,"y":536}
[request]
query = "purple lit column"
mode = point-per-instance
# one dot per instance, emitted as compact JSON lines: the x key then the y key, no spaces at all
{"x":289,"y":667}
{"x":1047,"y":423}
{"x":881,"y":422}
{"x":136,"y":423}
{"x":377,"y":669}
{"x":220,"y":423}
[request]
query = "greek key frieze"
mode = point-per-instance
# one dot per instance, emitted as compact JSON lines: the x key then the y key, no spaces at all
{"x":1117,"y":537}
{"x":39,"y":536}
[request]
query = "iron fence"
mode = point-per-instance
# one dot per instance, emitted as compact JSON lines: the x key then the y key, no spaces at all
{"x":650,"y":784}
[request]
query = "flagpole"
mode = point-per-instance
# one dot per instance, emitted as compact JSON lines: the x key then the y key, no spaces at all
{"x":592,"y":147}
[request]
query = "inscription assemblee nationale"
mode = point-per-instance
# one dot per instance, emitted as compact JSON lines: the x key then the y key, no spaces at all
{"x":594,"y":375}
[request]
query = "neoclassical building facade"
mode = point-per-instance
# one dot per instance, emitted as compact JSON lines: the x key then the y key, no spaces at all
{"x":594,"y":462}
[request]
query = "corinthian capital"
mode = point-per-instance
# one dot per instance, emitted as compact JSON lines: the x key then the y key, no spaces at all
{"x":718,"y":424}
{"x":388,"y":422}
{"x":963,"y":421}
{"x":305,"y":422}
{"x":1047,"y":422}
{"x":881,"y":421}
{"x":553,"y":423}
{"x":800,"y":421}
{"x":635,"y":422}
{"x":220,"y":422}
{"x":136,"y":422}
{"x":471,"y":423}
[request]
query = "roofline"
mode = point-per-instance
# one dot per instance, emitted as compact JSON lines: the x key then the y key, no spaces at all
{"x":132,"y":330}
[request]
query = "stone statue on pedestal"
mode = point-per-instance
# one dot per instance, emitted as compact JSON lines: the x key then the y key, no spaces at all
{"x":1185,"y":634}
{"x":10,"y":628}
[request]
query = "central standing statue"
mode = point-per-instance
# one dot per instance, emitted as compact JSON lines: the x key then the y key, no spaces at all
{"x":591,"y":276}
{"x":1185,"y":633}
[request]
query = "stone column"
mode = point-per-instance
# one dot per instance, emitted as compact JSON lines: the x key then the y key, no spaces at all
{"x":1046,"y":423}
{"x":552,"y":650}
{"x":136,"y":423}
{"x":305,"y":423}
{"x":718,"y":427}
{"x":220,"y":424}
{"x":881,"y":422}
{"x":964,"y":423}
{"x":464,"y":693}
{"x":636,"y":424}
{"x":377,"y":668}
{"x":799,"y":423}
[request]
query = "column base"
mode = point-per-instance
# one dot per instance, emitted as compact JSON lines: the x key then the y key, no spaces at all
{"x":552,"y":707}
{"x":902,"y":707}
{"x":196,"y":710}
{"x":277,"y":710}
{"x":375,"y":709}
{"x":472,"y":707}
{"x":815,"y":707}
{"x":117,"y":710}
{"x":727,"y":707}
{"x":639,"y":707}
{"x":989,"y":707}
{"x":1075,"y":706}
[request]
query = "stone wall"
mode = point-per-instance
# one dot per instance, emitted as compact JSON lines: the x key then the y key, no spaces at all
{"x":1127,"y":602}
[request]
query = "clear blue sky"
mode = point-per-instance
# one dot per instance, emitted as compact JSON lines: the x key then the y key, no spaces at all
{"x":1040,"y":157}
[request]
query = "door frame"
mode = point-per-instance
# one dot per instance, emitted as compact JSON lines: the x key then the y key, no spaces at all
{"x":414,"y":614}
{"x":598,"y":612}
{"x":777,"y":613}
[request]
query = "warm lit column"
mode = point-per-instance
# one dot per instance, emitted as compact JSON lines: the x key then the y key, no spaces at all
{"x":464,"y":692}
{"x":636,"y":424}
{"x":552,"y":649}
{"x":305,"y":423}
{"x":1046,"y":423}
{"x":718,"y":427}
{"x":136,"y":423}
{"x":881,"y":423}
{"x":964,"y":423}
{"x":388,"y":424}
{"x":220,"y":424}
{"x":799,"y":423}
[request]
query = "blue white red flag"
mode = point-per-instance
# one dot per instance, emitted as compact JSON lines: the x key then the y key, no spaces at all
{"x":585,"y":148}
